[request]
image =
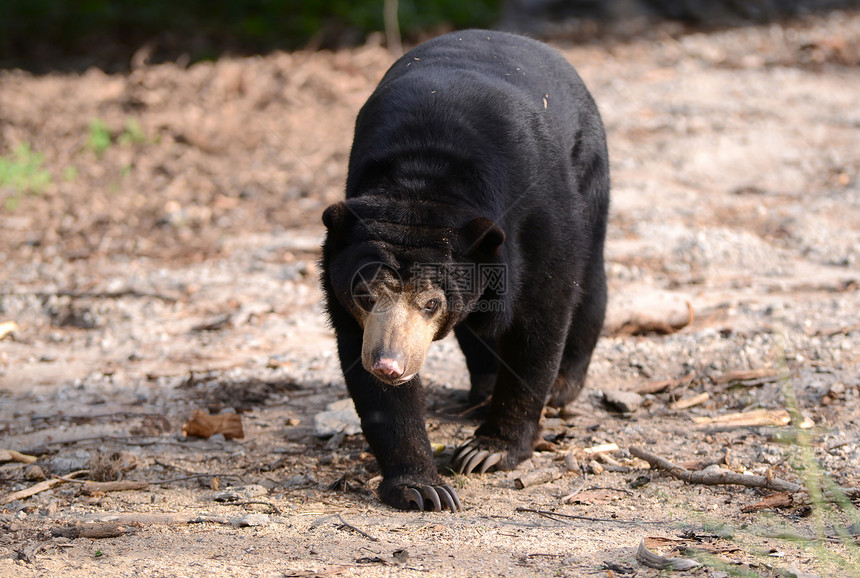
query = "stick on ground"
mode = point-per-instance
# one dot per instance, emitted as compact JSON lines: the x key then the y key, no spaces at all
{"x":714,"y":478}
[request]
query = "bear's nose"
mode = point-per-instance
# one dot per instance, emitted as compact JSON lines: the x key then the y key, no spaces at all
{"x":387,"y":365}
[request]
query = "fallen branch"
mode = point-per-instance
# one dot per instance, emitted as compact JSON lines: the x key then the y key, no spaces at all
{"x":39,"y":488}
{"x":31,"y":491}
{"x":90,"y":488}
{"x":714,"y":477}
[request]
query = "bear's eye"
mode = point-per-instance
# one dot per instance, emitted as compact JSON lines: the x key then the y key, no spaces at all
{"x":431,"y":306}
{"x":366,"y":302}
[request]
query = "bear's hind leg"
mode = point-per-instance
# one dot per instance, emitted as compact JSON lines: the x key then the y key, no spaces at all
{"x":581,"y":339}
{"x":482,"y":360}
{"x":530,"y":352}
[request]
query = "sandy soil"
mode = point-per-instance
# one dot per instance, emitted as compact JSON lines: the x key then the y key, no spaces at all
{"x":176,"y":271}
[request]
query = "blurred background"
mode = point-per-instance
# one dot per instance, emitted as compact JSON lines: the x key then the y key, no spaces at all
{"x":43,"y":34}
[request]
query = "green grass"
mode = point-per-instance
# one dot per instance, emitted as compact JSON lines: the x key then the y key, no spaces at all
{"x":132,"y":133}
{"x":99,"y":139}
{"x":22,"y":172}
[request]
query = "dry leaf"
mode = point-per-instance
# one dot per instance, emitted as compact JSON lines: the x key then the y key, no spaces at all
{"x":204,"y":425}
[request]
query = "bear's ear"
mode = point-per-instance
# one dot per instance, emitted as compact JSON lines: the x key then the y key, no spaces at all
{"x":483,"y":237}
{"x":335,"y":216}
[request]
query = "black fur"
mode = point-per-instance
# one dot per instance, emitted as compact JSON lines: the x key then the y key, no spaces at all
{"x":476,"y":147}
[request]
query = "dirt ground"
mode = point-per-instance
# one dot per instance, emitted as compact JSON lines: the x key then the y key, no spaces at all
{"x":172,"y":268}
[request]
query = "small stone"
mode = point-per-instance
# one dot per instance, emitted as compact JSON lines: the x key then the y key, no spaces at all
{"x":623,"y":401}
{"x":253,"y":520}
{"x":34,"y":473}
{"x":339,"y":417}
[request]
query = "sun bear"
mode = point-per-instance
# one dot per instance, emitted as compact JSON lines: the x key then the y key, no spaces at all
{"x":476,"y":202}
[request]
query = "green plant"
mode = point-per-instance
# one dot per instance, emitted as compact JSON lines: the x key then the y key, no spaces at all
{"x":99,"y":139}
{"x":459,"y":480}
{"x":23,"y":173}
{"x":132,"y":133}
{"x":70,"y":174}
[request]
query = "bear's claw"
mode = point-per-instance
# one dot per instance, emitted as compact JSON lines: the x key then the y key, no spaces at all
{"x":433,"y":498}
{"x":471,"y":457}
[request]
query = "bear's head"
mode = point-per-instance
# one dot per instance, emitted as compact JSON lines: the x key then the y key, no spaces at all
{"x":407,"y":275}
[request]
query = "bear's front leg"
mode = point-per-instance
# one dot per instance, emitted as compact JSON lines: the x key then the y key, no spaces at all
{"x":392,"y":419}
{"x":529,"y":359}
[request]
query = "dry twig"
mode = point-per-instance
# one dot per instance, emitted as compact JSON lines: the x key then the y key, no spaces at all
{"x":345,"y":524}
{"x":38,"y":488}
{"x":556,"y":515}
{"x":715,"y":477}
{"x":91,"y":487}
{"x":13,"y":456}
{"x":689,"y":402}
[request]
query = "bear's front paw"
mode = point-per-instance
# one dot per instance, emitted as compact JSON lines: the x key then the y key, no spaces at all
{"x":481,"y":454}
{"x":409,"y":495}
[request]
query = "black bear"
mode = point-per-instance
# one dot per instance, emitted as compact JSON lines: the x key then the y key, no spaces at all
{"x":476,"y":201}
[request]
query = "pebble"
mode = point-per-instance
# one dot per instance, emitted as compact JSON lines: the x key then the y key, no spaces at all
{"x":339,"y":417}
{"x":623,"y":401}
